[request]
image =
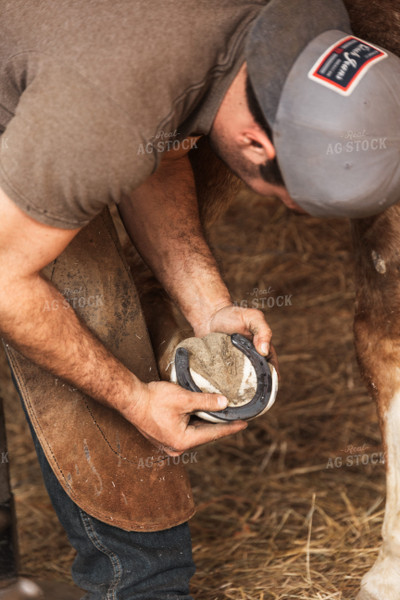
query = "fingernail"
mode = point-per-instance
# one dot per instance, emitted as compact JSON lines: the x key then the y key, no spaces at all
{"x":222,"y":401}
{"x":264,"y":348}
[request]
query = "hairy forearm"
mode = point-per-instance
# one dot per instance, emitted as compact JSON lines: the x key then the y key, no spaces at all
{"x":59,"y":342}
{"x":163,"y":221}
{"x":56,"y":340}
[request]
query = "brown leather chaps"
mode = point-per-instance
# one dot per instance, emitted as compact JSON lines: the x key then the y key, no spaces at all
{"x":104,"y":464}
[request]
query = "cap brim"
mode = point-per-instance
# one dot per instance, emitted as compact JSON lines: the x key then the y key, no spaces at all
{"x":278,"y":36}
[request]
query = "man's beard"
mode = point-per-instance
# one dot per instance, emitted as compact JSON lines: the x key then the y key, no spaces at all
{"x":232,"y":158}
{"x":271,"y":172}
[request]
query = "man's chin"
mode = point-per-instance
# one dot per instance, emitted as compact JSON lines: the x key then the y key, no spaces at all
{"x":299,"y":212}
{"x":268,"y":189}
{"x":262,"y":187}
{"x":292,"y":205}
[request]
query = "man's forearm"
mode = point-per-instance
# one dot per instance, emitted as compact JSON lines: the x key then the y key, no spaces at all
{"x":59,"y":342}
{"x":163,"y":221}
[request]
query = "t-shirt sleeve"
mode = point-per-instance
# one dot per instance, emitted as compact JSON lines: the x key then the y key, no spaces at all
{"x":69,"y":151}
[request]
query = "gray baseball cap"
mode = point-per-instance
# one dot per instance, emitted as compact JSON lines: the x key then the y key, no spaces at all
{"x":333,"y":104}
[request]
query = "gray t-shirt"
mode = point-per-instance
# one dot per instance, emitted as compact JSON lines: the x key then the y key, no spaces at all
{"x":92,"y":91}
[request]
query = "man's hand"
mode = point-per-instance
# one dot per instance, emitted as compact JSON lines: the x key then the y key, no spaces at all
{"x":250,"y":322}
{"x":161,"y":412}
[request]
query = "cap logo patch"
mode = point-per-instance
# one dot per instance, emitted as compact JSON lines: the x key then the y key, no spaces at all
{"x":344,"y":64}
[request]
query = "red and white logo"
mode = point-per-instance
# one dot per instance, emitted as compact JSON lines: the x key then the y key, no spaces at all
{"x":345,"y":63}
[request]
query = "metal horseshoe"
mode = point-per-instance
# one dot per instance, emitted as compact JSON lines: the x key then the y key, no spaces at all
{"x":263,"y":398}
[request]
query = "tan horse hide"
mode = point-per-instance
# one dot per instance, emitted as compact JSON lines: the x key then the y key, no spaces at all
{"x":103,"y":463}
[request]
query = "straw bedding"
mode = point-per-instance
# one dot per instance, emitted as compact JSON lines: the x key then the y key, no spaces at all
{"x":292,"y":507}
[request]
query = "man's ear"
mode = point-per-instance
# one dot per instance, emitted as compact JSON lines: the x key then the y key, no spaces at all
{"x":256,"y":145}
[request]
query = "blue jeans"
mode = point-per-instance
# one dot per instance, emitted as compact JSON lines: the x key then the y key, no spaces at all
{"x":113,"y":564}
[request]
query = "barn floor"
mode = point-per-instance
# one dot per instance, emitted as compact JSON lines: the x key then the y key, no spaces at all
{"x":292,"y":507}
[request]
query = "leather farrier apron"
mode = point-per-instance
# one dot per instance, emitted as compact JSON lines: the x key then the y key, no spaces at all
{"x":103,"y":463}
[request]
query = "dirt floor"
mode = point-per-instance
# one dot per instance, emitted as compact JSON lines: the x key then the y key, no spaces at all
{"x":292,"y":507}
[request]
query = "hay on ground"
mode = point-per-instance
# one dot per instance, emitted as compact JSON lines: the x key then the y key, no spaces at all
{"x":284,"y":510}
